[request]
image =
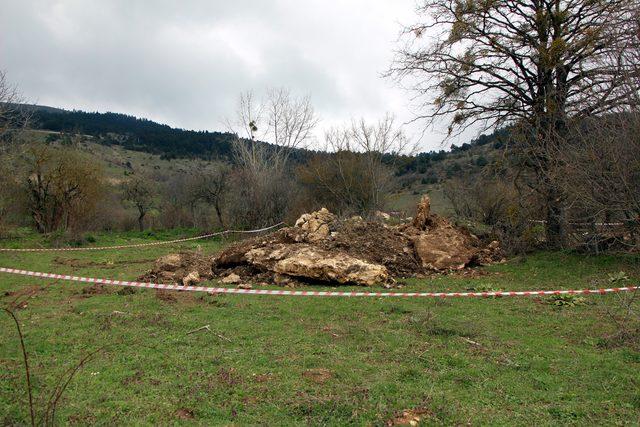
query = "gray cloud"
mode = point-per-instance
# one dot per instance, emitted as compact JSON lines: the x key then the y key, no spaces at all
{"x":184,"y":63}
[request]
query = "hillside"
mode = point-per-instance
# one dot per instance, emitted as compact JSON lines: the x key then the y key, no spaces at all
{"x":134,"y":133}
{"x":140,"y":134}
{"x":124,"y":142}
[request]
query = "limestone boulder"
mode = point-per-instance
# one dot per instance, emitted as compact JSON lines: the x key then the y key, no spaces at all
{"x":232,"y":278}
{"x":383,"y":216}
{"x":186,"y":268}
{"x":423,"y":213}
{"x":311,"y":262}
{"x":170,"y":262}
{"x":191,"y":279}
{"x":445,"y":249}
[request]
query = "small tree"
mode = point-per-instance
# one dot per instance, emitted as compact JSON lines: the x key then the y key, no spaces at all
{"x":211,"y":186}
{"x":61,"y":184}
{"x":139,"y":192}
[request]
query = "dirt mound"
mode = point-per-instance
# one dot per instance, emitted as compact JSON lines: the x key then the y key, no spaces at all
{"x":320,"y":248}
{"x":185,"y":268}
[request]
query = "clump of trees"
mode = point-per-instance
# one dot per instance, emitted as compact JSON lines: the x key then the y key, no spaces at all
{"x":62,"y":186}
{"x":356,"y":173}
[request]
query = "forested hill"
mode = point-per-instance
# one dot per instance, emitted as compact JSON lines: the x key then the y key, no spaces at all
{"x":134,"y":133}
{"x":145,"y":135}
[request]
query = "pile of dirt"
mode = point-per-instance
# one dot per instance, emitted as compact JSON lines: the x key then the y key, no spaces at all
{"x":321,"y":248}
{"x":185,"y":268}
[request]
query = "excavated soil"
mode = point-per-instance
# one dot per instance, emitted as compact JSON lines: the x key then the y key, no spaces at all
{"x":175,"y":268}
{"x":321,"y":248}
{"x":367,"y":240}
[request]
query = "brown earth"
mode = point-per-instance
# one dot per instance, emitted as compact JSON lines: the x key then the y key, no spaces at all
{"x":185,"y":268}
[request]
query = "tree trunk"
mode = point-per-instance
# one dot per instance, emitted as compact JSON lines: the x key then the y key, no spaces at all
{"x":219,"y":214}
{"x":555,"y":230}
{"x":141,"y":221}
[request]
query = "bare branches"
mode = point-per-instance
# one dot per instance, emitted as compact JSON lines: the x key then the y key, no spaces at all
{"x":537,"y":64}
{"x":273,"y":129}
{"x":357,"y":175}
{"x":281,"y":120}
{"x":503,"y":60}
{"x":12,"y":115}
{"x":139,"y":191}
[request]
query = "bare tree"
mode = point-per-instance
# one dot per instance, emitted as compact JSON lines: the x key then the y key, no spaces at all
{"x":139,"y":192}
{"x":13,"y":116}
{"x":357,"y":175}
{"x":532,"y":62}
{"x":269,"y":133}
{"x":600,"y":166}
{"x":280,"y":119}
{"x":12,"y":119}
{"x":211,"y":186}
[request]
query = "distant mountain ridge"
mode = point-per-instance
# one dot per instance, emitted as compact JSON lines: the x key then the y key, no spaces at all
{"x":146,"y":135}
{"x":134,"y":133}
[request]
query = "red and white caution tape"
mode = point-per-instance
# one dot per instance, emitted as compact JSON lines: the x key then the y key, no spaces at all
{"x":312,"y":293}
{"x":140,"y":245}
{"x":599,"y":224}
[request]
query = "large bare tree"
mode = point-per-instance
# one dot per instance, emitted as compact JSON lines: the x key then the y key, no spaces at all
{"x":284,"y":121}
{"x":269,"y":131}
{"x":537,"y":63}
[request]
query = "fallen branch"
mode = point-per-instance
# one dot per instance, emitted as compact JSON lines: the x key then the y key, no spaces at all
{"x":223,"y":337}
{"x":471,"y":341}
{"x":201,"y":328}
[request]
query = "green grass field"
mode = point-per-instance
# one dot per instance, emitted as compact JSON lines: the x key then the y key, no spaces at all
{"x":292,"y":360}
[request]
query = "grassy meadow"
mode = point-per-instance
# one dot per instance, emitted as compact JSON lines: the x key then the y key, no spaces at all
{"x":292,"y":360}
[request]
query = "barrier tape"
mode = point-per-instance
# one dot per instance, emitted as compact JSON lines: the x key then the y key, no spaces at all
{"x":216,"y":290}
{"x":598,"y":224}
{"x":139,"y":245}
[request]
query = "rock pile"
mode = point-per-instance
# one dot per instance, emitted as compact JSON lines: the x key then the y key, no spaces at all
{"x":321,"y":248}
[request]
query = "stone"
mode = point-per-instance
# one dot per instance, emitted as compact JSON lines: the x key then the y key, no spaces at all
{"x":421,"y":220}
{"x":382,"y":215}
{"x":282,"y":280}
{"x":309,"y":262}
{"x":444,"y":249}
{"x":317,"y":225}
{"x":231,"y":279}
{"x":320,"y":248}
{"x":191,"y":279}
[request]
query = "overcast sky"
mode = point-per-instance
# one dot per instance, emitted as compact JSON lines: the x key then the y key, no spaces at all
{"x":184,"y":63}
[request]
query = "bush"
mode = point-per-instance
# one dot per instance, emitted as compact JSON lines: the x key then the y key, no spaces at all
{"x":496,"y":204}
